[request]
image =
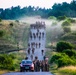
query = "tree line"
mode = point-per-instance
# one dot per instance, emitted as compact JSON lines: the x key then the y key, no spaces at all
{"x":17,"y":12}
{"x":67,"y":9}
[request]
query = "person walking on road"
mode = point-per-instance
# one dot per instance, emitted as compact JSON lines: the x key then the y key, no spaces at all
{"x":42,"y":51}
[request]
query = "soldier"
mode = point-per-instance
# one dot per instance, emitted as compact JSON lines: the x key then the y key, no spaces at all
{"x":35,"y":61}
{"x":37,"y":34}
{"x":31,"y":57}
{"x":46,"y":65}
{"x":40,"y":33}
{"x":38,"y":65}
{"x":28,"y":44}
{"x":42,"y":51}
{"x":39,"y":45}
{"x":42,"y":66}
{"x":39,"y":37}
{"x":31,"y":37}
{"x":29,"y":51}
{"x":36,"y":45}
{"x":34,"y":36}
{"x":26,"y":58}
{"x":37,"y":30}
{"x":31,"y":44}
{"x":33,"y":50}
{"x":43,"y":34}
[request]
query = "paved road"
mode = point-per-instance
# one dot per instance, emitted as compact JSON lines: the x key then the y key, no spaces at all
{"x":29,"y":73}
{"x":42,"y":41}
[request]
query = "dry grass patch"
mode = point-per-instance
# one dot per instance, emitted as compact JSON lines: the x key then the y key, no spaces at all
{"x":3,"y":71}
{"x":69,"y":70}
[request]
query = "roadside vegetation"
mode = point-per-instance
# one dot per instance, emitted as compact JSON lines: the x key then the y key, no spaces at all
{"x":11,"y":62}
{"x":60,"y":39}
{"x":62,"y":53}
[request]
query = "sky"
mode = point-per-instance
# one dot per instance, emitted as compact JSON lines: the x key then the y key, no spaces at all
{"x":41,"y":3}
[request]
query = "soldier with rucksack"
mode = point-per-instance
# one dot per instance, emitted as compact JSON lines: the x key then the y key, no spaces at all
{"x":36,"y":64}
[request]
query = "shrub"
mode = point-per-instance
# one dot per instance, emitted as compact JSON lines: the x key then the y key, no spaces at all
{"x":1,"y":33}
{"x":66,"y":23}
{"x":52,"y":17}
{"x":61,"y":18}
{"x":70,"y":53}
{"x":11,"y":24}
{"x":12,"y":56}
{"x":61,"y":59}
{"x":65,"y":61}
{"x":66,"y":29}
{"x":56,"y":57}
{"x":71,"y":20}
{"x":6,"y":62}
{"x":62,"y":45}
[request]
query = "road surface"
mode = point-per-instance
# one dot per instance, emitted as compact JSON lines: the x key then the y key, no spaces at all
{"x":28,"y":73}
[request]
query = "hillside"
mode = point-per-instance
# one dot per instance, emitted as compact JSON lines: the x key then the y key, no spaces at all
{"x":12,"y":35}
{"x":15,"y":32}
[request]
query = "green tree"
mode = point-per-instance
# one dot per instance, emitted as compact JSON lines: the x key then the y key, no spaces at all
{"x":62,"y":45}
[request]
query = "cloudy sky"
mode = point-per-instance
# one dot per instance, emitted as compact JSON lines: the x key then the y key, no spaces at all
{"x":41,"y":3}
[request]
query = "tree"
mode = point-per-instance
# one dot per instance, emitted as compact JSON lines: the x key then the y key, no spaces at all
{"x":62,"y":45}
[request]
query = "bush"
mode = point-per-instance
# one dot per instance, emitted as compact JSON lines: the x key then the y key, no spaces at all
{"x":11,"y":24}
{"x":6,"y":62}
{"x":56,"y":57}
{"x":1,"y":33}
{"x":61,"y":18}
{"x":66,"y":29}
{"x":65,"y":61}
{"x":70,"y":53}
{"x":52,"y":17}
{"x":71,"y":20}
{"x":66,"y":23}
{"x":61,"y":59}
{"x":62,"y":45}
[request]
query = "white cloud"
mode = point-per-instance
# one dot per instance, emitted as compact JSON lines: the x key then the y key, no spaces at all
{"x":22,"y":3}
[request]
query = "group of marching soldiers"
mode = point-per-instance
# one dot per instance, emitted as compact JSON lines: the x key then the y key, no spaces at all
{"x":36,"y":35}
{"x":41,"y":65}
{"x":33,"y":44}
{"x":33,"y":50}
{"x":38,"y":25}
